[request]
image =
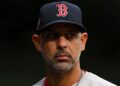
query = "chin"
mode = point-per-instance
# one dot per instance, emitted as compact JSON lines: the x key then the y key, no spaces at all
{"x":63,"y":67}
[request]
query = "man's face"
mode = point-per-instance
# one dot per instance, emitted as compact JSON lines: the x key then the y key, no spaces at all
{"x":61,"y":46}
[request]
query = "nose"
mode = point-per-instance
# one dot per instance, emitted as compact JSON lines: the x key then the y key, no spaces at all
{"x":62,"y":42}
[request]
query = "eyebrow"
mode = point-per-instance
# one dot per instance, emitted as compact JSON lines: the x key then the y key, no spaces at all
{"x":50,"y":29}
{"x":47,"y":30}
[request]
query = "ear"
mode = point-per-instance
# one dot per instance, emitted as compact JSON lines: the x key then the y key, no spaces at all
{"x":84,"y":37}
{"x":36,"y":40}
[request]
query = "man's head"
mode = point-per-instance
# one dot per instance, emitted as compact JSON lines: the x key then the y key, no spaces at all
{"x":62,"y":39}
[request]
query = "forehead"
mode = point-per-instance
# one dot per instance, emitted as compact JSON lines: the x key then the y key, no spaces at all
{"x":62,"y":27}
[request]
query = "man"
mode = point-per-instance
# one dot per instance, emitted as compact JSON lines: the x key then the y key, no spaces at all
{"x":61,"y":37}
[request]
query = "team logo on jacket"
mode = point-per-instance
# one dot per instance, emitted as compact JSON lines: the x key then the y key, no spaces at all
{"x":62,"y":10}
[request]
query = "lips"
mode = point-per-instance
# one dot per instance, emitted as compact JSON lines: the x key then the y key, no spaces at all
{"x":62,"y":58}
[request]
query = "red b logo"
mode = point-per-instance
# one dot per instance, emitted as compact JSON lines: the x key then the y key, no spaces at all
{"x":62,"y":10}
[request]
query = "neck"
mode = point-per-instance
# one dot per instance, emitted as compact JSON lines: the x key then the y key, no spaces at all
{"x":64,"y":79}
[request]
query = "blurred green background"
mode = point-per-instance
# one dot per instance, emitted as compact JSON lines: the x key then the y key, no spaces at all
{"x":22,"y":65}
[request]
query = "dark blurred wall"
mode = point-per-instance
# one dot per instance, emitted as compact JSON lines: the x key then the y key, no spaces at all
{"x":22,"y":65}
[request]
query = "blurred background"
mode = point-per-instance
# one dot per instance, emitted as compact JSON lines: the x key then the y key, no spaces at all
{"x":22,"y":65}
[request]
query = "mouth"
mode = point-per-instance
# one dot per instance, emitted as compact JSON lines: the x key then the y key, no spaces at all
{"x":62,"y":58}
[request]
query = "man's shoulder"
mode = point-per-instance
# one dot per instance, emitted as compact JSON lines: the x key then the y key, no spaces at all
{"x":40,"y":83}
{"x":91,"y":79}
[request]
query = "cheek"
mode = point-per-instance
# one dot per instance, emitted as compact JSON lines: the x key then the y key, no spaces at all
{"x":76,"y":48}
{"x":48,"y":50}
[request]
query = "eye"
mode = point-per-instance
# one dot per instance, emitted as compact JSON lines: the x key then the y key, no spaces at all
{"x":50,"y":35}
{"x":71,"y":35}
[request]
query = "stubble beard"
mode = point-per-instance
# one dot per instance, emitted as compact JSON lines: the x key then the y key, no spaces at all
{"x":62,"y":67}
